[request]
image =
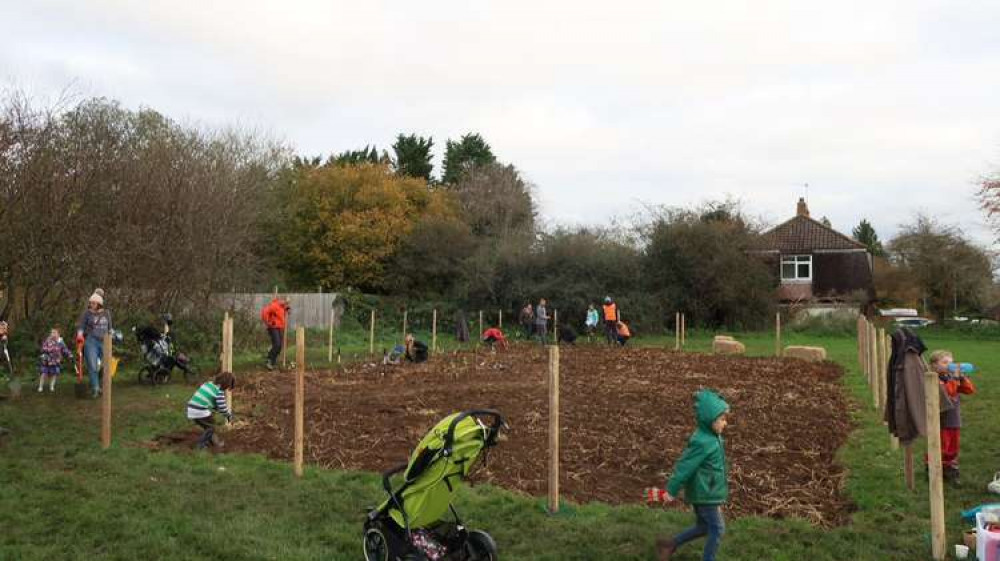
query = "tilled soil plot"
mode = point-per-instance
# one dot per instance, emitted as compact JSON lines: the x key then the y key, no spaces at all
{"x":625,"y":417}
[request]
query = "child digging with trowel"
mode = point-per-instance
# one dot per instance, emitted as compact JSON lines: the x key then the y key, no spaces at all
{"x":701,"y":471}
{"x":211,"y":397}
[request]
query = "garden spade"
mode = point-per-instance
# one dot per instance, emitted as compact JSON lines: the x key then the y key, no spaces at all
{"x":80,"y":389}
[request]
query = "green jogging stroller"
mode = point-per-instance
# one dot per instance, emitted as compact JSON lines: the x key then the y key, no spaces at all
{"x":409,"y":525}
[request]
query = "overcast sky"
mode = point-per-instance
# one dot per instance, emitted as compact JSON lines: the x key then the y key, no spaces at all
{"x":884,"y":108}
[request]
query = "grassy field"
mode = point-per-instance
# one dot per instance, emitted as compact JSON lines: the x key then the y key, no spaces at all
{"x":62,"y":497}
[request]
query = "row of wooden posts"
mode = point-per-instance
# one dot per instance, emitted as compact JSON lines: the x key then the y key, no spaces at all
{"x":874,"y":351}
{"x":300,"y":368}
{"x":226,"y":360}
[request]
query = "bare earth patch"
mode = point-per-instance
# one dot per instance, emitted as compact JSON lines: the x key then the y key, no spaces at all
{"x":626,"y":415}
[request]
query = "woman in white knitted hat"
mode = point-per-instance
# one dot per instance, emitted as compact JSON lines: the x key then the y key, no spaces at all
{"x":94,"y":324}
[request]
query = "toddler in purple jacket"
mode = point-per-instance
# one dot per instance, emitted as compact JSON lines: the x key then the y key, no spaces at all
{"x":50,"y":363}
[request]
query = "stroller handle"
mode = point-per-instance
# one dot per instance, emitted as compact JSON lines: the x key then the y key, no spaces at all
{"x":498,"y":423}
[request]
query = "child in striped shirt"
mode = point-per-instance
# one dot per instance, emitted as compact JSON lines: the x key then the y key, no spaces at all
{"x":211,"y":396}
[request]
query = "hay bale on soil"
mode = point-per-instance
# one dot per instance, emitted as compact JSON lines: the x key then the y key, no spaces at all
{"x":723,"y":338}
{"x":728,"y":347}
{"x":811,"y":354}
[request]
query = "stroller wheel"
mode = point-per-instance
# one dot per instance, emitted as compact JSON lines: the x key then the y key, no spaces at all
{"x":479,"y":546}
{"x":376,"y":544}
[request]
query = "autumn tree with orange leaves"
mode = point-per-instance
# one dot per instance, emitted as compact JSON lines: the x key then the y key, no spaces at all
{"x":340,"y":226}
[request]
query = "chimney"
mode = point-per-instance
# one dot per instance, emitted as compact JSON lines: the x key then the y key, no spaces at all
{"x":801,"y":209}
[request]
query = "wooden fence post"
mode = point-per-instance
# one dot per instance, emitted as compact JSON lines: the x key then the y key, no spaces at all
{"x":933,"y":410}
{"x":227,"y":355}
{"x":875,"y":384}
{"x":284,"y":346}
{"x":883,"y":384}
{"x":908,"y":467}
{"x":434,"y":332}
{"x":777,"y":334}
{"x":860,"y":324}
{"x":677,"y":331}
{"x":330,"y":349}
{"x":106,"y":390}
{"x":300,"y":397}
{"x":684,"y":329}
{"x":864,"y":350}
{"x":222,"y":347}
{"x":480,"y":335}
{"x":555,"y":326}
{"x":371,"y":335}
{"x":499,"y":319}
{"x":405,"y":314}
{"x":553,"y":429}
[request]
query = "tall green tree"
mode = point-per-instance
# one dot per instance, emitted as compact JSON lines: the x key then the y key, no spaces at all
{"x":865,"y":233}
{"x":413,"y":156}
{"x":470,"y":151}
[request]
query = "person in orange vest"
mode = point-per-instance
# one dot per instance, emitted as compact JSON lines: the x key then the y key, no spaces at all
{"x":611,"y":318}
{"x":275,"y":317}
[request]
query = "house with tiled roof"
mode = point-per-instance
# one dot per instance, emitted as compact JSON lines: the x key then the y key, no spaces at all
{"x":816,"y":263}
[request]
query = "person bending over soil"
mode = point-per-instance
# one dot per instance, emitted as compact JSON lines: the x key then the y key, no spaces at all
{"x":210,"y":397}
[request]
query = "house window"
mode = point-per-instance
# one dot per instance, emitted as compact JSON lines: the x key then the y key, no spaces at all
{"x":796,"y":267}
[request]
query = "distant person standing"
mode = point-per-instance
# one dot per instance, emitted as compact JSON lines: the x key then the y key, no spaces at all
{"x":95,"y":323}
{"x":275,"y":318}
{"x":461,"y":327}
{"x":593,"y":318}
{"x":527,"y":319}
{"x":541,"y":321}
{"x":611,"y":319}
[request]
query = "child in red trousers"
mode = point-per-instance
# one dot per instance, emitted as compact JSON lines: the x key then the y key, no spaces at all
{"x":954,"y":384}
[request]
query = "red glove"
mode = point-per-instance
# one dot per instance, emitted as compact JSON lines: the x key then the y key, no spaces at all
{"x":79,"y":338}
{"x":655,"y":495}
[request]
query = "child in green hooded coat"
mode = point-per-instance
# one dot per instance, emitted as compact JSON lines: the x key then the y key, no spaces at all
{"x":701,"y":471}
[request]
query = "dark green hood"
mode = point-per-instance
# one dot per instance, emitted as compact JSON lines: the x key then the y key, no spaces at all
{"x":708,"y":405}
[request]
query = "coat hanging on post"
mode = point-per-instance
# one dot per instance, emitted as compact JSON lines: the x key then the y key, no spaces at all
{"x":905,"y":410}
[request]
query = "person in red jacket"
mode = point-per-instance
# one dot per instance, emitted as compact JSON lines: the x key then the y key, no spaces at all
{"x":275,"y":317}
{"x":493,"y":336}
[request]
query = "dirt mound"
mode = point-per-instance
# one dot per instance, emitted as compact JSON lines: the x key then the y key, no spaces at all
{"x":626,"y":415}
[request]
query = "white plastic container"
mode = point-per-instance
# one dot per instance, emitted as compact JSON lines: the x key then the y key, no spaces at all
{"x":987,"y":543}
